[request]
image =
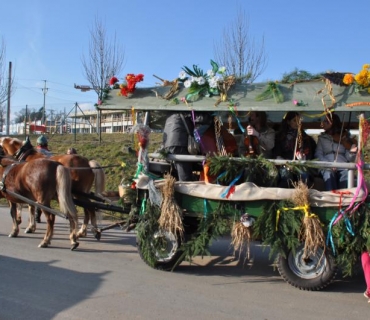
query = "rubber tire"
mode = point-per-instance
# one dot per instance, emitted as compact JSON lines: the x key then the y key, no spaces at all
{"x":307,"y":278}
{"x":167,"y":265}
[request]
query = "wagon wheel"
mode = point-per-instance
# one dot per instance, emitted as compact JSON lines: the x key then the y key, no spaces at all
{"x":162,"y":251}
{"x":311,"y":273}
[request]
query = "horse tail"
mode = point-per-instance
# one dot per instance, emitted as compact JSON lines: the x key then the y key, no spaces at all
{"x":99,"y":174}
{"x":64,"y":187}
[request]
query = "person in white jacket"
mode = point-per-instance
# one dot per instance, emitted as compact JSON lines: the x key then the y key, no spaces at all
{"x":334,"y":145}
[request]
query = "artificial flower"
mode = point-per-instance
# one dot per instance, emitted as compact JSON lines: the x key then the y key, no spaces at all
{"x":130,"y":85}
{"x":200,"y":83}
{"x":113,"y":81}
{"x":361,"y":80}
{"x":348,"y":79}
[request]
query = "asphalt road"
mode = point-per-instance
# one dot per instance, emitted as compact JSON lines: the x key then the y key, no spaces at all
{"x":108,"y":280}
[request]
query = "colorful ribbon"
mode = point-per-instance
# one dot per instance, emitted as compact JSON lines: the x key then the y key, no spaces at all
{"x":231,"y":108}
{"x":231,"y":188}
{"x":303,"y":208}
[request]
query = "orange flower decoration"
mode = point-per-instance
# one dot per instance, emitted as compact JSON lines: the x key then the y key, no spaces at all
{"x":348,"y":79}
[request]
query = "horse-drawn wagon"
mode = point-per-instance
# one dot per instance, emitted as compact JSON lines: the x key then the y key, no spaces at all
{"x":312,"y":237}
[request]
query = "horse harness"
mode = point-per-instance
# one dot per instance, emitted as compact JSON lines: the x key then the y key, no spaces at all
{"x":21,"y":155}
{"x":5,"y":173}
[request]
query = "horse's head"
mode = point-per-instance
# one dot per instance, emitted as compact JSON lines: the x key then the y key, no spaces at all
{"x":10,"y":145}
{"x":25,"y":149}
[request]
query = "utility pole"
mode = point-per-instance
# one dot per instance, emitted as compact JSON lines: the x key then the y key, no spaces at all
{"x":44,"y":90}
{"x":8,"y":106}
{"x":25,"y":122}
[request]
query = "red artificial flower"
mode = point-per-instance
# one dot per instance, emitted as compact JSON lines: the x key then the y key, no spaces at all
{"x":131,"y":81}
{"x":124,"y":91}
{"x":113,"y":81}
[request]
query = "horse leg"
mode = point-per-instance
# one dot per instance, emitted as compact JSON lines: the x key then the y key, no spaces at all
{"x":19,"y":213}
{"x":83,"y":231}
{"x":94,"y":229}
{"x":13,"y":214}
{"x":31,"y":224}
{"x":50,"y":219}
{"x":38,"y":215}
{"x":73,"y":230}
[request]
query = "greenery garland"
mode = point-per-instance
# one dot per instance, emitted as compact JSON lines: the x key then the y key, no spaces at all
{"x":272,"y":91}
{"x":279,"y":231}
{"x":146,"y":228}
{"x":214,"y":225}
{"x":350,"y":247}
{"x":300,"y":76}
{"x":226,"y":169}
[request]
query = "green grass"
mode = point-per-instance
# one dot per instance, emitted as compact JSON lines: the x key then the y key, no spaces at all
{"x":110,"y":153}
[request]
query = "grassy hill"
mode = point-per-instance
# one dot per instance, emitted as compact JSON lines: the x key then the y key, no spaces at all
{"x":110,"y":152}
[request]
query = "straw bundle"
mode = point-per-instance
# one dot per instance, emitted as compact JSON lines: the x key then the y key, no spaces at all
{"x":311,"y":232}
{"x":240,"y":239}
{"x":170,"y":218}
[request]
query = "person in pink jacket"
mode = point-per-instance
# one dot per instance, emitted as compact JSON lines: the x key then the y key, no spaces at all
{"x":365,"y":260}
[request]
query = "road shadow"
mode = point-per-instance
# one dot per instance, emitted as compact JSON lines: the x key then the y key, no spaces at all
{"x":260,"y":268}
{"x":28,"y":288}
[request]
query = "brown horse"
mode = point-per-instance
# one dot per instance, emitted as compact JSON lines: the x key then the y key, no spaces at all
{"x":83,"y":173}
{"x":40,"y":181}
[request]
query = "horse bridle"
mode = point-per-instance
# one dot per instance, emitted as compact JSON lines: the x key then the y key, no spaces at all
{"x":23,"y":152}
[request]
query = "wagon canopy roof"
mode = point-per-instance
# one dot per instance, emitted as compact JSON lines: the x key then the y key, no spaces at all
{"x":312,"y":96}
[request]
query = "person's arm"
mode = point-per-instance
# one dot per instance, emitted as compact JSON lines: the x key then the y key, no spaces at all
{"x":319,"y":154}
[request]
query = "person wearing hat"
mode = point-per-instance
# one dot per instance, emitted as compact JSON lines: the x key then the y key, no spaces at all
{"x":42,"y":146}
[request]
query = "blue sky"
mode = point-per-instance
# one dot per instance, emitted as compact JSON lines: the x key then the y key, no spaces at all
{"x":46,"y":39}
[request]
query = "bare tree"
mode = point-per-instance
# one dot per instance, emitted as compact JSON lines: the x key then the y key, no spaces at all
{"x":2,"y":117}
{"x":238,"y":51}
{"x":104,"y":60}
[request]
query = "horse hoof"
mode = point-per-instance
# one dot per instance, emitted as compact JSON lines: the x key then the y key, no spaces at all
{"x":43,"y":245}
{"x":28,"y":230}
{"x":13,"y":235}
{"x":97,"y":233}
{"x":74,"y":246}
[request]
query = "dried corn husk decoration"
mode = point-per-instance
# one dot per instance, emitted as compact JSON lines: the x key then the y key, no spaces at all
{"x":223,"y":87}
{"x":311,"y":232}
{"x":170,"y":219}
{"x":173,"y":90}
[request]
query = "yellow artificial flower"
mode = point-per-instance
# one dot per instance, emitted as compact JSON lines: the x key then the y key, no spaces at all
{"x":366,"y":66}
{"x":348,"y":78}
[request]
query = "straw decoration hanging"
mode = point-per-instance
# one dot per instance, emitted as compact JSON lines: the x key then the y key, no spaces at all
{"x":240,"y":239}
{"x":170,"y":218}
{"x":219,"y":140}
{"x":223,"y":87}
{"x":327,"y":91}
{"x":311,"y":231}
{"x":165,"y":83}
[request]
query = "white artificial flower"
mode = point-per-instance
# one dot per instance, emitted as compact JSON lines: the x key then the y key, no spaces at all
{"x":200,"y":80}
{"x":222,"y":70}
{"x":182,"y":75}
{"x":213,"y":82}
{"x":187,"y":84}
{"x":210,"y":73}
